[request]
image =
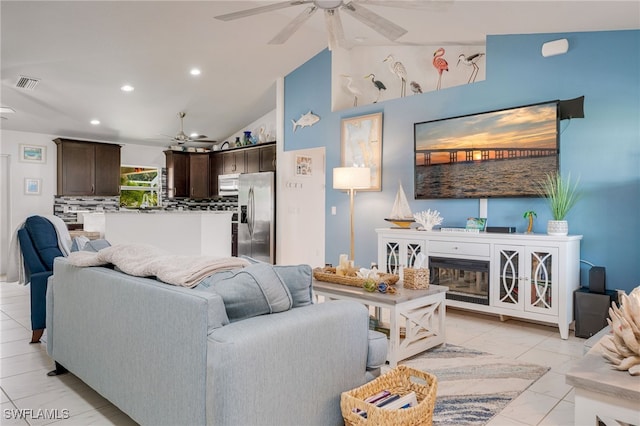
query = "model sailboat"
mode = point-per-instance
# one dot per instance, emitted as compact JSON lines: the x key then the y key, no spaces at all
{"x":401,"y":215}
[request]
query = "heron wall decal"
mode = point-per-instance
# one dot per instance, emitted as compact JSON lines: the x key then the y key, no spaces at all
{"x":377,"y":84}
{"x":355,"y":91}
{"x":399,"y":70}
{"x":471,"y":61}
{"x":440,"y":64}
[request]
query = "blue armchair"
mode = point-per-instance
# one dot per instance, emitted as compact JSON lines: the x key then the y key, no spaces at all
{"x":39,"y":246}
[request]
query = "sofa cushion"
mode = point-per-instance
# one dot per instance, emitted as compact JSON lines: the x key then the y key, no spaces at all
{"x":297,"y":278}
{"x":254,"y":290}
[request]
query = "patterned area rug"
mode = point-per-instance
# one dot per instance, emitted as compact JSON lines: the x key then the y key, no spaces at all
{"x":473,"y":386}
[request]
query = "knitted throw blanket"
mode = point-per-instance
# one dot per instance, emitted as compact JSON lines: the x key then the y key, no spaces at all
{"x":148,"y":261}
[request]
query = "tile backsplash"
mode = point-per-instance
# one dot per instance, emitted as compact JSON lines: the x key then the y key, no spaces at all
{"x":69,"y":208}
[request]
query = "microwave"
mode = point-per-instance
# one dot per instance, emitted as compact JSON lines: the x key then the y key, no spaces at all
{"x":228,"y":185}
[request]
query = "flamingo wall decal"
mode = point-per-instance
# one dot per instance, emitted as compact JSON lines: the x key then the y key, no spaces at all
{"x":440,"y":64}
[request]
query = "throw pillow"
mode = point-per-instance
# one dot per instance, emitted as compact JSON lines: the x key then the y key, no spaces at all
{"x":298,"y":279}
{"x":254,"y":290}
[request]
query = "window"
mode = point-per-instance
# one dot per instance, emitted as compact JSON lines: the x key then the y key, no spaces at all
{"x":139,"y":186}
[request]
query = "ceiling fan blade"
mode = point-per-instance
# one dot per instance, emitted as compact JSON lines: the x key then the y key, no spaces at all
{"x":411,"y":4}
{"x":293,"y":26}
{"x":382,"y":25}
{"x":334,"y":28}
{"x":260,"y":9}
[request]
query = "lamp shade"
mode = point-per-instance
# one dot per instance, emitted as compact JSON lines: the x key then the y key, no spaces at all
{"x":351,"y":178}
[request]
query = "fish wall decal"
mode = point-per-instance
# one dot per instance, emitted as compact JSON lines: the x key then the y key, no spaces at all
{"x":306,"y":120}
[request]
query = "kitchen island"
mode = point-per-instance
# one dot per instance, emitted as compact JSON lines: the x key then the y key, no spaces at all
{"x":190,"y":233}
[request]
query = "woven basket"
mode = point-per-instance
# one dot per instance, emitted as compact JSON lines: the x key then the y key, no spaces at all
{"x":416,"y":279}
{"x":329,"y":275}
{"x":399,"y":380}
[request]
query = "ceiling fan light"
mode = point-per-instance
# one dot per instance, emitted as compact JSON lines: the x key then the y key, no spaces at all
{"x":328,"y":4}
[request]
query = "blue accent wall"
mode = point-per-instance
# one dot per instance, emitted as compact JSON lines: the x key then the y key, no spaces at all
{"x":603,"y":149}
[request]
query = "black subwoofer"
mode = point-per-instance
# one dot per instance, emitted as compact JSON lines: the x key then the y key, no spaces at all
{"x":591,"y":310}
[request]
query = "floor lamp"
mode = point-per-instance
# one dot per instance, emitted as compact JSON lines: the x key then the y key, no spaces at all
{"x":351,"y":178}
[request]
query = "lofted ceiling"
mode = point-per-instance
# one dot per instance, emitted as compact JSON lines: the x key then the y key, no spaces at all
{"x":84,"y":51}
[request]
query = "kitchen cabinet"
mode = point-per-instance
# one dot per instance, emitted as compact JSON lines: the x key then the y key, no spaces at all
{"x":268,"y":158}
{"x":531,"y":276}
{"x":177,"y":174}
{"x":198,"y":175}
{"x":252,"y":160}
{"x":214,"y":167}
{"x":233,"y":162}
{"x":87,"y":168}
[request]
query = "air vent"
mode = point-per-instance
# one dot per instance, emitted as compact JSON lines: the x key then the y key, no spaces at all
{"x":27,"y":83}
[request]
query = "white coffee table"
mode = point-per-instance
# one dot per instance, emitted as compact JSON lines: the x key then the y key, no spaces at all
{"x":421,"y":312}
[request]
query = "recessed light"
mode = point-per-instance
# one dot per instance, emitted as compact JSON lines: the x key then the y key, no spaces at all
{"x":127,"y":88}
{"x":194,"y":71}
{"x":7,"y":110}
{"x":194,"y":135}
{"x":95,"y":122}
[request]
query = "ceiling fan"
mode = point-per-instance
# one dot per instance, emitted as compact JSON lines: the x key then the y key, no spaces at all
{"x":181,"y":137}
{"x":332,"y":18}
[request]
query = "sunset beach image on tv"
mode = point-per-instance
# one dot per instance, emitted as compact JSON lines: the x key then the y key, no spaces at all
{"x":493,"y":154}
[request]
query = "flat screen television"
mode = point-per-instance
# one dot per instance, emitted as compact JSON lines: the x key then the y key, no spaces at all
{"x":494,"y":154}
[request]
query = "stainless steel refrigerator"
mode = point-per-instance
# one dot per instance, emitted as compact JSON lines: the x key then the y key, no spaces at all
{"x":256,"y":221}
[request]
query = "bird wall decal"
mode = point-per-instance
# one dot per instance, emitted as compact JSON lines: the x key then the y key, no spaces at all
{"x":399,"y":70}
{"x":415,"y":87}
{"x":440,"y":64}
{"x":471,"y":61}
{"x":377,"y":84}
{"x":355,"y":91}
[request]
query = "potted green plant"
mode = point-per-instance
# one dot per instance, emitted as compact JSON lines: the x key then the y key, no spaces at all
{"x":561,"y":195}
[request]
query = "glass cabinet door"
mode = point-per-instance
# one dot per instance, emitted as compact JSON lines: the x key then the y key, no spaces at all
{"x":542,"y":291}
{"x":508,"y":294}
{"x":392,"y":258}
{"x":400,"y":252}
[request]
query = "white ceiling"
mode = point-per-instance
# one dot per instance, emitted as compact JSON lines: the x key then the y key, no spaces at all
{"x":83,"y":51}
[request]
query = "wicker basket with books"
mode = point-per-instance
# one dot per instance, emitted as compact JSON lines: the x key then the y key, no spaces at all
{"x":416,"y":279}
{"x":398,"y":383}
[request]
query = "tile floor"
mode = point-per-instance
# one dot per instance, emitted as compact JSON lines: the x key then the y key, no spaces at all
{"x":25,"y":385}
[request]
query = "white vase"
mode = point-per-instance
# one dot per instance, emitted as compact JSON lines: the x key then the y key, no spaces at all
{"x":557,"y":227}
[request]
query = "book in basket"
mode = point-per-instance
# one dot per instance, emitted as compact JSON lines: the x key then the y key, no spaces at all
{"x":400,"y":381}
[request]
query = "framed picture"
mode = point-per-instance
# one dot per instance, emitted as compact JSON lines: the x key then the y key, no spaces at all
{"x":33,"y":153}
{"x":478,"y":223}
{"x":362,"y":145}
{"x":303,"y":165}
{"x":32,"y":186}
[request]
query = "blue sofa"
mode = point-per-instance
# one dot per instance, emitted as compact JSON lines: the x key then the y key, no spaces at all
{"x":168,"y":355}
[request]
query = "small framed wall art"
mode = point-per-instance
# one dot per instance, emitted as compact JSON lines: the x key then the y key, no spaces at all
{"x":303,"y":165}
{"x":362,"y":145}
{"x":32,"y":186}
{"x":33,"y":153}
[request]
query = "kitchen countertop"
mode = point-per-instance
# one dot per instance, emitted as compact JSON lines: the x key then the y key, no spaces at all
{"x":170,"y":212}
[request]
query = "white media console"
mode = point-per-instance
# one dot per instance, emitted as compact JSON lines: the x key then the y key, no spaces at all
{"x":530,"y":276}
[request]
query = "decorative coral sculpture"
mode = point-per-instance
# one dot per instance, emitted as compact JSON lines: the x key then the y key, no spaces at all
{"x":622,"y":347}
{"x":428,"y":219}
